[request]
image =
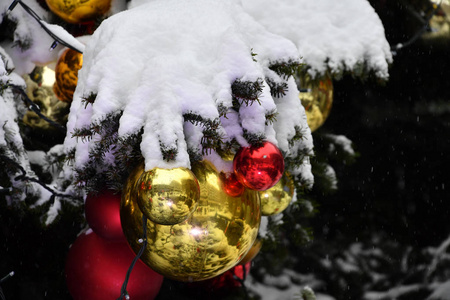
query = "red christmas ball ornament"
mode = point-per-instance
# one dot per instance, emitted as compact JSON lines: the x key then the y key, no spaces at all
{"x":259,"y":167}
{"x":96,"y":269}
{"x":231,"y":184}
{"x":103,"y":215}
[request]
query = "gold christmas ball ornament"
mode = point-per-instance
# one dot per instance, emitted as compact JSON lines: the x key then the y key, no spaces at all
{"x":79,"y":11}
{"x":214,"y":238}
{"x":66,"y":73}
{"x":277,"y":198}
{"x":317,"y":98}
{"x":167,"y":196}
{"x":251,"y":254}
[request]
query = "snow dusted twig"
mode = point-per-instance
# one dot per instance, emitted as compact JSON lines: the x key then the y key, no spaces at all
{"x":437,"y":257}
{"x":24,"y":177}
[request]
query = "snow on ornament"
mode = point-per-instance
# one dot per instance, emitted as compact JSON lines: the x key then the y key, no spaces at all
{"x":316,"y":96}
{"x":79,"y":11}
{"x":66,"y":74}
{"x":259,"y":167}
{"x":167,"y":196}
{"x":212,"y":240}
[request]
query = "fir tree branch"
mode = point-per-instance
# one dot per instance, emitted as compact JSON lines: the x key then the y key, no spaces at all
{"x":246,"y":92}
{"x":277,"y":89}
{"x":285,"y":69}
{"x":24,"y":177}
{"x":254,"y":139}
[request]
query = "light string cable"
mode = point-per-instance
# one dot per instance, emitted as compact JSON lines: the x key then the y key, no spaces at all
{"x":35,"y":108}
{"x":123,"y":291}
{"x":10,"y":274}
{"x":242,"y":281}
{"x":399,"y":46}
{"x":42,"y":23}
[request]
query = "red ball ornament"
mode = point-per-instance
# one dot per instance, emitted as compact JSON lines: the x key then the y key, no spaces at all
{"x":96,"y":269}
{"x":231,"y":185}
{"x":103,"y":215}
{"x":259,"y":167}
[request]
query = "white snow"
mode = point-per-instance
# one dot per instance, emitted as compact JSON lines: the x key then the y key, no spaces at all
{"x":29,"y":31}
{"x":330,"y":35}
{"x":162,"y":59}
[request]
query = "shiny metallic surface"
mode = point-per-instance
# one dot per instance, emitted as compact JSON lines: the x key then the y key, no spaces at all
{"x":277,"y":198}
{"x":66,"y":73}
{"x":212,"y":240}
{"x":317,"y":98}
{"x":79,"y":11}
{"x":168,"y":196}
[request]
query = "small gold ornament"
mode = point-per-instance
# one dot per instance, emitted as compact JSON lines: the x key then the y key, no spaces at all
{"x":39,"y":89}
{"x":66,"y":73}
{"x":79,"y":11}
{"x":168,"y":196}
{"x":317,"y":98}
{"x":278,"y":197}
{"x":212,"y":240}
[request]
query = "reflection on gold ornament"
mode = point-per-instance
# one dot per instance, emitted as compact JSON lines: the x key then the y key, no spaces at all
{"x":66,"y":73}
{"x":317,"y":98}
{"x":212,"y":240}
{"x":39,"y":89}
{"x":79,"y":11}
{"x":278,"y":197}
{"x":168,"y":196}
{"x":439,"y":23}
{"x":251,"y":254}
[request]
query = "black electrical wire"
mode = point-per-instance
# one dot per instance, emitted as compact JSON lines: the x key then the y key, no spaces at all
{"x":123,"y":291}
{"x":39,"y":20}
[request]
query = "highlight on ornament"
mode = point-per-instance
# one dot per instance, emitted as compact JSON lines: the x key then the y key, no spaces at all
{"x":79,"y":11}
{"x":167,"y":196}
{"x":316,"y":96}
{"x":66,"y":73}
{"x":214,"y":238}
{"x":259,"y":167}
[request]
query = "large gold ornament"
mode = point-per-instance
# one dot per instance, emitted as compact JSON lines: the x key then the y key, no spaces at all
{"x":212,"y":240}
{"x":317,"y":98}
{"x":278,"y":197}
{"x":66,"y":73}
{"x":251,"y":254}
{"x":168,"y":196}
{"x":79,"y":11}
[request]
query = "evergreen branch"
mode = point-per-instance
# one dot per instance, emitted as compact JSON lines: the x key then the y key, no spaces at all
{"x":212,"y":139}
{"x":298,"y":136}
{"x":285,"y":69}
{"x":32,"y":106}
{"x":89,"y":99}
{"x":254,"y":139}
{"x":271,"y":116}
{"x":277,"y":89}
{"x":222,"y":109}
{"x":24,"y":177}
{"x":168,"y":153}
{"x":246,"y":92}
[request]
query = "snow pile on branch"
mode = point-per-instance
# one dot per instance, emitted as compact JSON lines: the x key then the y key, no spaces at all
{"x":155,"y":65}
{"x":29,"y":44}
{"x":344,"y":35}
